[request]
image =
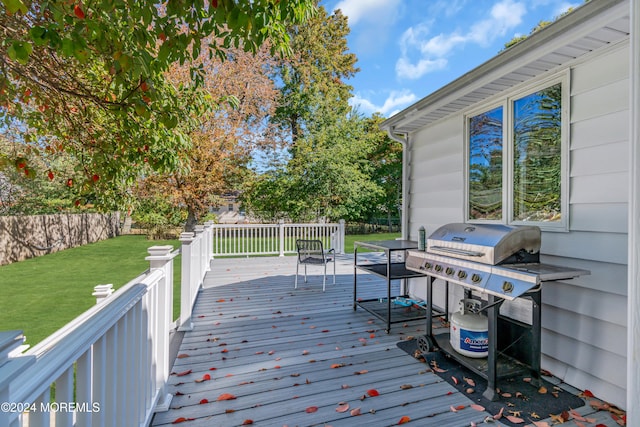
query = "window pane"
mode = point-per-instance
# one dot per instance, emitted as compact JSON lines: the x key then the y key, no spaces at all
{"x":537,"y":152}
{"x":485,"y":165}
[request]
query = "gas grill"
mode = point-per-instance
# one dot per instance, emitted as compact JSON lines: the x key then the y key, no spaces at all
{"x":494,"y":263}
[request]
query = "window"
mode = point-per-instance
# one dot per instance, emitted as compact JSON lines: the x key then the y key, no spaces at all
{"x":515,"y":168}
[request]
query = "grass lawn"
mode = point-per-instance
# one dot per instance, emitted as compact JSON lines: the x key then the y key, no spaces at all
{"x":40,"y":295}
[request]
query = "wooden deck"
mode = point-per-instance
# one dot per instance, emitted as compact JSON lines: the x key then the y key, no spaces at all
{"x":292,"y":357}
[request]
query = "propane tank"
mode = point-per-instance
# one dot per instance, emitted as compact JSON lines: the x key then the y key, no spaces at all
{"x":469,"y":330}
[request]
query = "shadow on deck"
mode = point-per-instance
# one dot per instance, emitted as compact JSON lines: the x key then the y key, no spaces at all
{"x":264,"y":353}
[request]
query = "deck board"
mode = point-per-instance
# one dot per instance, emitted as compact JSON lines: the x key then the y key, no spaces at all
{"x":281,"y":350}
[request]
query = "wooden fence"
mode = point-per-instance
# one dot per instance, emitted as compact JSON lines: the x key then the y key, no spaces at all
{"x":23,"y":237}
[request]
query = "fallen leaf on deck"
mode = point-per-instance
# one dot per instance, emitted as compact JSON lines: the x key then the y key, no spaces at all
{"x":470,"y":381}
{"x":477,"y":407}
{"x":506,"y":395}
{"x":579,"y":424}
{"x":514,"y":419}
{"x":226,"y":396}
{"x":271,"y":352}
{"x":325,"y":331}
{"x":527,"y":379}
{"x":586,"y":393}
{"x":405,"y":386}
{"x":247,"y":422}
{"x":205,"y":377}
{"x":542,"y":390}
{"x":203,"y":401}
{"x":345,"y":386}
{"x":576,"y":415}
{"x":470,"y":390}
{"x":182,"y":356}
{"x":181,"y":420}
{"x":220,"y":300}
{"x":182,"y":374}
{"x":373,"y":392}
{"x":499,"y":414}
{"x":453,"y":409}
{"x":355,"y":412}
{"x":404,"y":420}
{"x":305,"y":352}
{"x":557,"y":418}
{"x":311,"y":409}
{"x":337,"y":365}
{"x":364,"y":371}
{"x":455,"y":380}
{"x":344,"y":407}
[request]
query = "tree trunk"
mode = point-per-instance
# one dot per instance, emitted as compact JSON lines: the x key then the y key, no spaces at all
{"x":192,"y":221}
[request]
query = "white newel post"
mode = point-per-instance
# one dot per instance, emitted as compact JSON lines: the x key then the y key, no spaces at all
{"x":208,"y":239}
{"x":281,"y":234}
{"x":160,"y":258}
{"x":341,"y":228}
{"x":102,"y":292}
{"x":185,"y":324}
{"x":202,"y":250}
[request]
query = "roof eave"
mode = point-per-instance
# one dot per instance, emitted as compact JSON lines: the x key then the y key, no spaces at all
{"x":545,"y":36}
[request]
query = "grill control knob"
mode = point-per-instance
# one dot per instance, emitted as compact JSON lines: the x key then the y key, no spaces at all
{"x":438,"y":268}
{"x":428,"y":266}
{"x":462,"y":274}
{"x":449,"y":271}
{"x":507,"y":287}
{"x":475,"y":278}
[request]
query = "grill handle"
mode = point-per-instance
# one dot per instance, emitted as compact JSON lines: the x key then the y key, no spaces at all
{"x":457,"y":251}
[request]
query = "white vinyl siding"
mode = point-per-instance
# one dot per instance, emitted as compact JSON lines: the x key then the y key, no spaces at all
{"x":584,"y":319}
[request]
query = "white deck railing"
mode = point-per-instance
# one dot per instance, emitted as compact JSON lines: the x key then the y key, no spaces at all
{"x":110,"y":365}
{"x":273,"y":239}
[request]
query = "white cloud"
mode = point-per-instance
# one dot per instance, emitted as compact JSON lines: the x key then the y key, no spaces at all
{"x":410,"y":70}
{"x":395,"y":100}
{"x":421,"y":54}
{"x":373,"y":32}
{"x":370,"y":10}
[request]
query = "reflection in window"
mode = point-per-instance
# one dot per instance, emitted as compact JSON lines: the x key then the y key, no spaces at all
{"x":537,"y":154}
{"x":485,"y":165}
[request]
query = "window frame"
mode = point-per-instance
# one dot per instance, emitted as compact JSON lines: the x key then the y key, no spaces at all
{"x":507,"y":102}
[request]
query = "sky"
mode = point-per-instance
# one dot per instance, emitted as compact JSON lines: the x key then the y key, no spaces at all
{"x":408,"y":49}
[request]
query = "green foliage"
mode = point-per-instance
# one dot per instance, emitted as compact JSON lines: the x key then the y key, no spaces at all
{"x":313,"y":87}
{"x":89,"y":79}
{"x":328,"y":177}
{"x":339,"y":165}
{"x":158,"y":216}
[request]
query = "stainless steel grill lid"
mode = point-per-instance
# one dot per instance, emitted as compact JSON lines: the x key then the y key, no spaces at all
{"x":497,"y":259}
{"x":485,"y":243}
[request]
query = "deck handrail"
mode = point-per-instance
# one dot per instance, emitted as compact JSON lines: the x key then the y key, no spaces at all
{"x":108,"y":366}
{"x":273,"y":239}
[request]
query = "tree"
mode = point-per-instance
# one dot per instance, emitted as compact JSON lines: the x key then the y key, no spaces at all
{"x":386,"y":170}
{"x":226,"y":136}
{"x":313,"y":89}
{"x":88,"y":79}
{"x":329,"y":178}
